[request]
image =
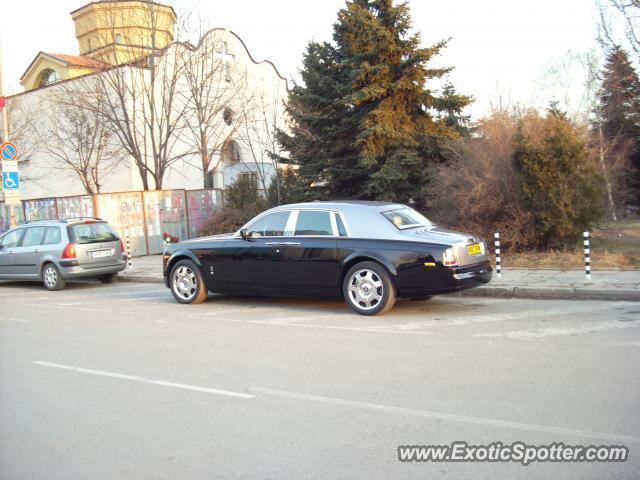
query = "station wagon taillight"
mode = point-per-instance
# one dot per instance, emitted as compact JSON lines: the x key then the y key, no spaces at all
{"x":449,"y":258}
{"x":69,"y":251}
{"x":121,"y":246}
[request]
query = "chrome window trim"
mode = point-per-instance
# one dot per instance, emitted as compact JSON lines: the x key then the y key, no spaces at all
{"x":264,"y":214}
{"x":331,"y":219}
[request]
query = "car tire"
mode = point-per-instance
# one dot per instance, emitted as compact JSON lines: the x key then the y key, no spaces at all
{"x":186,"y":283}
{"x":369,"y":289}
{"x":110,"y":278}
{"x":422,"y":298}
{"x":51,"y":277}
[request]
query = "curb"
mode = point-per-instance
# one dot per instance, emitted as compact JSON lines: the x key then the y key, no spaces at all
{"x":141,"y":279}
{"x":537,"y":293}
{"x":534,"y":293}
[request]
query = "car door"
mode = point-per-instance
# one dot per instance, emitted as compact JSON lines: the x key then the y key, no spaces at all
{"x":309,"y":261}
{"x":27,"y":253}
{"x":8,"y":244}
{"x":255,"y":264}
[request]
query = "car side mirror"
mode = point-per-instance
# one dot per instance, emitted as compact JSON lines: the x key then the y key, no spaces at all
{"x":244,"y":233}
{"x":1,"y":246}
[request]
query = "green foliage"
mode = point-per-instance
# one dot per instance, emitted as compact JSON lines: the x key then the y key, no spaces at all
{"x":558,"y":183}
{"x":365,"y":124}
{"x":619,"y":109}
{"x":242,"y":202}
{"x":289,"y":188}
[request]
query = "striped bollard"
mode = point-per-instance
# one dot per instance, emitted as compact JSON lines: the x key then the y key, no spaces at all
{"x":128,"y":252}
{"x":497,"y":245}
{"x":587,"y":257}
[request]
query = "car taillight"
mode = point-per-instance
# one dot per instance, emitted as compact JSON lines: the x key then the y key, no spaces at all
{"x":121,"y":246}
{"x":69,"y":251}
{"x":449,"y":258}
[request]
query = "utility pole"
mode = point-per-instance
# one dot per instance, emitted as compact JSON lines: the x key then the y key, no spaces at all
{"x":5,"y":129}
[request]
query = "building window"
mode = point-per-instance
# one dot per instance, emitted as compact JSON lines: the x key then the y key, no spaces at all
{"x":231,"y":153}
{"x":47,"y":77}
{"x":227,"y":116}
{"x":251,"y":176}
{"x":118,"y":38}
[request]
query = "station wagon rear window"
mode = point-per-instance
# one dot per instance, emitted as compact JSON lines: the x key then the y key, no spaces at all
{"x":92,"y":233}
{"x":404,"y":218}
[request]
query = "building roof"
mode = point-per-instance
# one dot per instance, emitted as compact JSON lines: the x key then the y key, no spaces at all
{"x":78,"y":61}
{"x":124,"y":1}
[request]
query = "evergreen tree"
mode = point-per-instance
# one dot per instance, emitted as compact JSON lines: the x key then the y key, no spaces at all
{"x":558,"y":182}
{"x":364,"y":124}
{"x":619,"y":111}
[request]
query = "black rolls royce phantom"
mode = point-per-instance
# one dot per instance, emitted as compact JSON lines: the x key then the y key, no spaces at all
{"x":369,"y":253}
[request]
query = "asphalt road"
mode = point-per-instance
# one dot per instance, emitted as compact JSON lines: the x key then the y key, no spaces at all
{"x":120,"y":382}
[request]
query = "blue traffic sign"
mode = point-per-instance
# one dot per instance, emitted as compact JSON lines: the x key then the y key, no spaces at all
{"x":8,"y":151}
{"x":10,"y":180}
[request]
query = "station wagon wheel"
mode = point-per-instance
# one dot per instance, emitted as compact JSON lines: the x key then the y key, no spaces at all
{"x":369,"y":289}
{"x":51,"y":277}
{"x":186,"y":282}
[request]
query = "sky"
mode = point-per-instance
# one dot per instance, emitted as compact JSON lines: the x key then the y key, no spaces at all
{"x":498,"y":48}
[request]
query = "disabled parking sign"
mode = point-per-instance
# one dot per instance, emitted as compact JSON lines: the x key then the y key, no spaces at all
{"x":10,"y":180}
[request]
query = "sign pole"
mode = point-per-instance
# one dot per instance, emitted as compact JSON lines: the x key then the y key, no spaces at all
{"x":5,"y":131}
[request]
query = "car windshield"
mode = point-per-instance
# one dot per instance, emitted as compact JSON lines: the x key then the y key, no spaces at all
{"x":92,"y":233}
{"x":406,"y":217}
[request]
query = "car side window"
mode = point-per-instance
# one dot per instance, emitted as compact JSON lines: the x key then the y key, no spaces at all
{"x":11,"y":239}
{"x":271,"y":225}
{"x":33,"y":236}
{"x":52,"y":236}
{"x":313,"y":223}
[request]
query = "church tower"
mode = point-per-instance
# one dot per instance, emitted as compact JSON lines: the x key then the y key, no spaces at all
{"x":109,"y":32}
{"x":120,"y":31}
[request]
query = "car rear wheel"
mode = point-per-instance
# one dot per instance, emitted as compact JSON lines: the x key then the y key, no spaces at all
{"x":186,"y":283}
{"x":110,"y":278}
{"x":369,"y":289}
{"x":51,"y":278}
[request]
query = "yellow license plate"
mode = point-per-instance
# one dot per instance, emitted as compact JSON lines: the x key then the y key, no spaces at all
{"x":474,"y":249}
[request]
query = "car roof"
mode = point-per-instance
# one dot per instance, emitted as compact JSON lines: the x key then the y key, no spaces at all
{"x":342,"y":205}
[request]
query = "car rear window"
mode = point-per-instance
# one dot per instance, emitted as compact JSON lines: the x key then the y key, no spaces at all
{"x":406,"y":217}
{"x":92,"y":233}
{"x":313,"y":223}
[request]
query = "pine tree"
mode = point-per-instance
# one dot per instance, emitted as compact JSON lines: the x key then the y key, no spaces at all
{"x":619,"y":112}
{"x":364,"y":124}
{"x":558,"y":182}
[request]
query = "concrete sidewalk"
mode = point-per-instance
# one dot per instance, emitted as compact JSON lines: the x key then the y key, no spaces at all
{"x":609,"y":284}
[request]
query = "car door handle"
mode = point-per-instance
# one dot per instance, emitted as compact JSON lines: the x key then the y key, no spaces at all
{"x":292,"y":243}
{"x":282,"y":244}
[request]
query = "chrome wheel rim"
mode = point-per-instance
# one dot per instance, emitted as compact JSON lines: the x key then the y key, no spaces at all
{"x":50,"y":277}
{"x":365,"y":289}
{"x":185,"y":283}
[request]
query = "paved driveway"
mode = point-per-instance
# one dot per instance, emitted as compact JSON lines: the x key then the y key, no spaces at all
{"x":119,"y":381}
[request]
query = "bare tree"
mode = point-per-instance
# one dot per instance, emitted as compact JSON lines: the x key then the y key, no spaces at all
{"x":139,"y":100}
{"x":211,"y":94}
{"x":262,"y":115}
{"x":622,"y":12}
{"x":77,"y":140}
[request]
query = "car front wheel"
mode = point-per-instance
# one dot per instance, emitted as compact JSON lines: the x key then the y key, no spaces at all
{"x":51,"y":278}
{"x":186,"y":283}
{"x":369,"y":289}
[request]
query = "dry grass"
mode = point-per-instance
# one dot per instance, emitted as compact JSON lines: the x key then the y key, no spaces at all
{"x":613,"y":245}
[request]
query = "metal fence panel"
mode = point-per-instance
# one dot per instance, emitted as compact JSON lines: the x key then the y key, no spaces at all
{"x":40,"y":209}
{"x":202,"y":203}
{"x":5,"y":218}
{"x":125,"y":213}
{"x":80,"y":206}
{"x":165,"y":217}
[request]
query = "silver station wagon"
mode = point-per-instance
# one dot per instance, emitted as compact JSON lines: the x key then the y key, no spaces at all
{"x":54,"y":251}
